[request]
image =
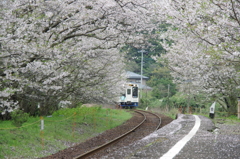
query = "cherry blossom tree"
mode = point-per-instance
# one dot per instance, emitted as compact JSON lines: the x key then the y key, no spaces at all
{"x":205,"y":49}
{"x":65,"y":51}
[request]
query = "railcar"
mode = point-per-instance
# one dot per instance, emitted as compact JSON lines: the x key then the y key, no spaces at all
{"x":129,"y":99}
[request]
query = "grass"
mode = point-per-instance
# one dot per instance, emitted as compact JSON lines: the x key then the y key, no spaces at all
{"x":170,"y":113}
{"x":63,"y":128}
{"x":231,"y":120}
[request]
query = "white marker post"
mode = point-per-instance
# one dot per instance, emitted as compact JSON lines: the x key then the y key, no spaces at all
{"x":42,"y":124}
{"x":41,"y":131}
{"x":212,"y":109}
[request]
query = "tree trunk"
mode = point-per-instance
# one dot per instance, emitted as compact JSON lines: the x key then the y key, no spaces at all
{"x":231,"y":103}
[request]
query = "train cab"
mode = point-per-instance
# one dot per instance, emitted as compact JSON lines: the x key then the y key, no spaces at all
{"x":129,"y":99}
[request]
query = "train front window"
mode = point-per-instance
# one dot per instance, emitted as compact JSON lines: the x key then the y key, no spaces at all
{"x":135,"y":92}
{"x":128,"y":91}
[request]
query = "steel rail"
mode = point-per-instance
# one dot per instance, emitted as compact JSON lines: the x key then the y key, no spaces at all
{"x":112,"y":141}
{"x":160,"y":120}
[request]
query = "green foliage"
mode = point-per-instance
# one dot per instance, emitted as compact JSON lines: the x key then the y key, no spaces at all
{"x":148,"y":100}
{"x":180,"y":100}
{"x":233,"y":117}
{"x":161,"y":81}
{"x":133,"y":59}
{"x":220,"y":114}
{"x":152,"y":48}
{"x":144,"y":102}
{"x":19,"y":117}
{"x":63,"y":126}
{"x":171,"y":113}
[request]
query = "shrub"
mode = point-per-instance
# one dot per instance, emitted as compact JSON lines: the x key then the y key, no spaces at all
{"x":19,"y":117}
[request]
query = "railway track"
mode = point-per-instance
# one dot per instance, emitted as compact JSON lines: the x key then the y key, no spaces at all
{"x":159,"y":118}
{"x":149,"y":120}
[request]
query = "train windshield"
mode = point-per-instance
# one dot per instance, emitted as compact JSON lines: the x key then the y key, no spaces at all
{"x":128,"y":91}
{"x":135,"y":92}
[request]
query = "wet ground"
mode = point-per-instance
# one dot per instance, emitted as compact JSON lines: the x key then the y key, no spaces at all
{"x":211,"y":141}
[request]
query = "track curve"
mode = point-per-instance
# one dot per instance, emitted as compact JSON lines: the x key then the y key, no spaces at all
{"x":147,"y":121}
{"x":112,"y":141}
{"x":148,"y":126}
{"x":159,"y":118}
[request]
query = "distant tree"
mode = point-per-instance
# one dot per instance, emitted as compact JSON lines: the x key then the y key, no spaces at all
{"x":152,"y":48}
{"x":161,"y":82}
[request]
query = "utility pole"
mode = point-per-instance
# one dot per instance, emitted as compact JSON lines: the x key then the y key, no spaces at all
{"x":238,"y":107}
{"x":168,"y":90}
{"x":188,"y":98}
{"x":142,"y":51}
{"x":168,"y":97}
